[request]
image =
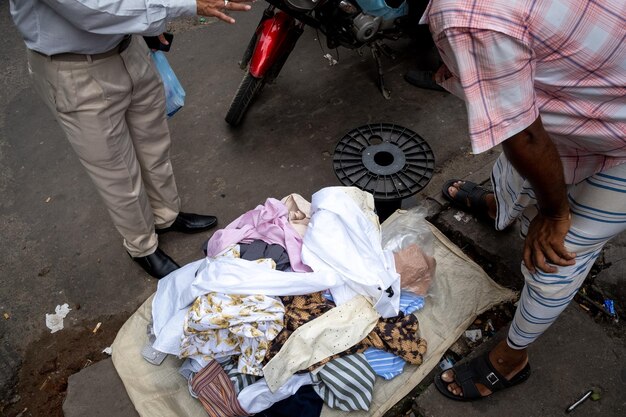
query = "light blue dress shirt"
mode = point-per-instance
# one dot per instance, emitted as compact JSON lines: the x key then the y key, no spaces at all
{"x":91,"y":26}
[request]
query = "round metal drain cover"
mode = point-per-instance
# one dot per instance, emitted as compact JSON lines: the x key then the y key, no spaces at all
{"x":387,"y":160}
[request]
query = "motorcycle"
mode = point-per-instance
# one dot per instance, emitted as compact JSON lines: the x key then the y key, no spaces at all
{"x":348,"y":23}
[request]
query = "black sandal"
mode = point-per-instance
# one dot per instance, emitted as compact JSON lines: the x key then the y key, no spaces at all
{"x":479,"y":371}
{"x":472,"y":192}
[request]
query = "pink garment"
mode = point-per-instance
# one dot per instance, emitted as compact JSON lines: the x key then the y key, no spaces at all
{"x":512,"y":61}
{"x":268,"y":222}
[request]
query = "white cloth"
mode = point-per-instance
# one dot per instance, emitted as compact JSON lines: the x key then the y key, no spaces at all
{"x":178,"y":290}
{"x":461,"y":291}
{"x":343,"y":238}
{"x":342,"y":245}
{"x":258,"y":397}
{"x":91,"y":26}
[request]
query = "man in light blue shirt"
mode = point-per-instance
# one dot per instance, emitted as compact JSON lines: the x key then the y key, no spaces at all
{"x":102,"y":86}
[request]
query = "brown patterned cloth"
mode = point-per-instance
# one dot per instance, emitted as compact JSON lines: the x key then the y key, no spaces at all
{"x":216,"y":392}
{"x":397,"y":335}
{"x":299,"y":309}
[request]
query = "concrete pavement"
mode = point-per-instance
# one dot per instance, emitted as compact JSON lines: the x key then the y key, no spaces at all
{"x":59,"y":245}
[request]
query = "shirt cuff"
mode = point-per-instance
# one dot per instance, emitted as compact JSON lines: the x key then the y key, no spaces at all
{"x":181,"y":8}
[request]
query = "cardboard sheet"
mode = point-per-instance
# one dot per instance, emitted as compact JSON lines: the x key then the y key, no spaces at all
{"x":460,"y":291}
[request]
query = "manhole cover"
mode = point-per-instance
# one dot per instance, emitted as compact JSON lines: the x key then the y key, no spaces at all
{"x":387,"y":160}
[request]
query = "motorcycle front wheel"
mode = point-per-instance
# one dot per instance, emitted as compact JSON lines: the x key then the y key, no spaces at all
{"x":249,"y":88}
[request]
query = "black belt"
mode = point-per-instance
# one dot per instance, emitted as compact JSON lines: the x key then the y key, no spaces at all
{"x":91,"y":57}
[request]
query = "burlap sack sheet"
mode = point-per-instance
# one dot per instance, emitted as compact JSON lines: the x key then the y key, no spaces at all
{"x":461,"y":290}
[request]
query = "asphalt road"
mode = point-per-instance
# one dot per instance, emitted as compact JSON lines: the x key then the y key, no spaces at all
{"x":58,"y":243}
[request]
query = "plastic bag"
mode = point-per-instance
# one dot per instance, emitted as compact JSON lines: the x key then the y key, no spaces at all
{"x":174,"y":92}
{"x":407,"y":228}
{"x":409,"y":237}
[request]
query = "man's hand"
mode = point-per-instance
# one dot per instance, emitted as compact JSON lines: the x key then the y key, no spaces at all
{"x":535,"y":157}
{"x":217,"y":8}
{"x":545,"y":242}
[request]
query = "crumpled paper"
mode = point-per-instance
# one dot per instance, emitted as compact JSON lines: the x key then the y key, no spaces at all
{"x":54,"y":322}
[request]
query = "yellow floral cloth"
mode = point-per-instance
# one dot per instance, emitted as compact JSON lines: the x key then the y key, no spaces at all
{"x":219,"y":325}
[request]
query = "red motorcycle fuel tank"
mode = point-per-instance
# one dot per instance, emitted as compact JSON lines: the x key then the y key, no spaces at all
{"x":272,"y":40}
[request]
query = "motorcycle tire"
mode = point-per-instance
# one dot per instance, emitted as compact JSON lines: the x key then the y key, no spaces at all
{"x":249,"y":88}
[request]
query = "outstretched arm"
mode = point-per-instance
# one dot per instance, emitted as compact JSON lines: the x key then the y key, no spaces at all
{"x":145,"y":17}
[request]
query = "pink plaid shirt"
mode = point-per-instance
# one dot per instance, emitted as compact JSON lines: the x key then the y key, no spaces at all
{"x":513,"y":60}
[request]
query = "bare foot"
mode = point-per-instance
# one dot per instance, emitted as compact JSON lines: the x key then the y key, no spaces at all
{"x":508,"y":362}
{"x":490,"y":199}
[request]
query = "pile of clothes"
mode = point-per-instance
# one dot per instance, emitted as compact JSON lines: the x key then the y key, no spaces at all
{"x":296,"y":304}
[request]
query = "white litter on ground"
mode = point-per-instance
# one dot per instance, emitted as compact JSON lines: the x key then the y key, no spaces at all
{"x":474,"y":335}
{"x":54,"y":322}
{"x":331,"y":61}
{"x":107,"y":350}
{"x":462,"y":217}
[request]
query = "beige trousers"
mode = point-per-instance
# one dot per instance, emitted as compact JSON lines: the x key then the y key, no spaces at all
{"x":112,"y":111}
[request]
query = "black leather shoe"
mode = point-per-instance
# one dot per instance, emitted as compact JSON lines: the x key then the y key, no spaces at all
{"x":423,"y":79}
{"x":190,"y":223}
{"x":157,"y":264}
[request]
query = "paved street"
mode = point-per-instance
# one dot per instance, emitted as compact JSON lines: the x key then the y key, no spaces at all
{"x":59,"y":245}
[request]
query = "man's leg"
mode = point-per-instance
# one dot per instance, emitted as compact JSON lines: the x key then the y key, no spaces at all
{"x":150,"y":134}
{"x":89,"y":100}
{"x":598,"y":207}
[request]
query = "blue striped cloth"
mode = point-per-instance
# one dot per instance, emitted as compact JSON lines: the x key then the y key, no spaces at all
{"x":385,"y":364}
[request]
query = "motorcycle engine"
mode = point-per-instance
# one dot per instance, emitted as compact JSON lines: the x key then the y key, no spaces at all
{"x":366,"y":26}
{"x":352,"y":23}
{"x":377,"y":15}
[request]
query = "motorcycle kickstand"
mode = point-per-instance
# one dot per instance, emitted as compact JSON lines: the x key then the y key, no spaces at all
{"x":386,"y":50}
{"x":381,"y":74}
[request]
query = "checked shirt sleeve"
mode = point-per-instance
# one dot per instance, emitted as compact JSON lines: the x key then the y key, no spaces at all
{"x":494,"y":74}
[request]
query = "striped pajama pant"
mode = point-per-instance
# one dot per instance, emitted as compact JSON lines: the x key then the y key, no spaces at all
{"x":598,"y":207}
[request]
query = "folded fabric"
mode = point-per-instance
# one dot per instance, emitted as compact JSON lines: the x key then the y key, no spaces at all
{"x":304,"y":403}
{"x":385,"y":364}
{"x":220,"y":325}
{"x":239,"y":380}
{"x":268,"y":222}
{"x":299,"y":310}
{"x":341,"y":231}
{"x":335,"y":331}
{"x":178,"y":290}
{"x":258,"y":396}
{"x":215,"y":392}
{"x":400,"y":336}
{"x":410,"y":302}
{"x":258,"y":249}
{"x":346,"y":383}
{"x":299,"y":212}
{"x":405,"y":340}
